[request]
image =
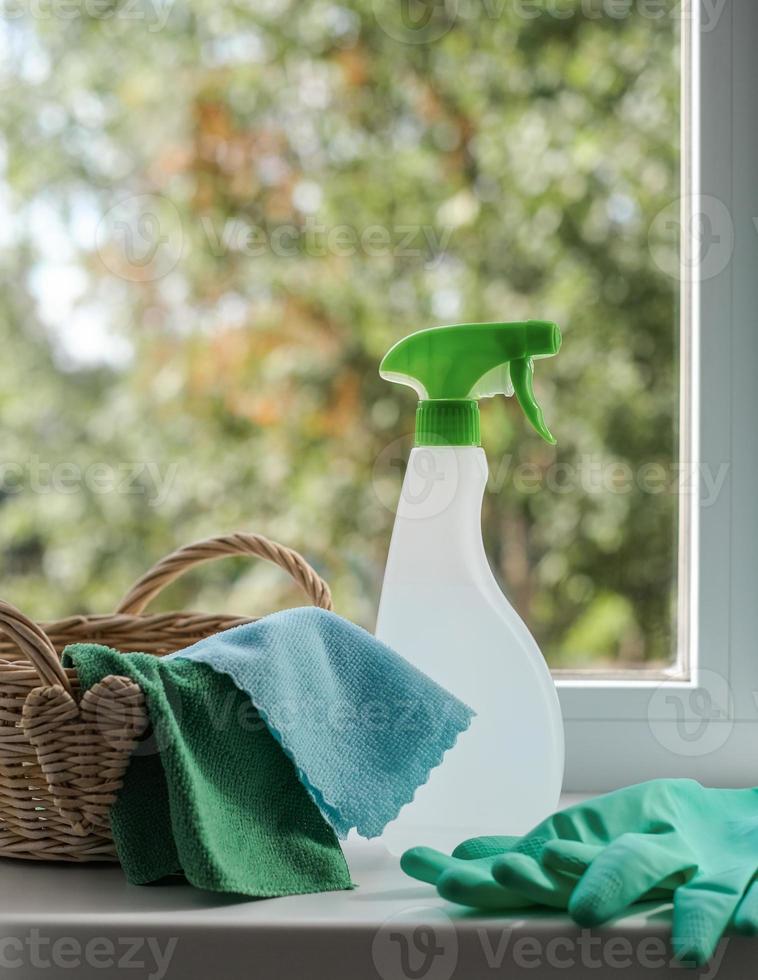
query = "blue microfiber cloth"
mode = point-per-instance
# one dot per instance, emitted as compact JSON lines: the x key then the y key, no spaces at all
{"x":363,"y":727}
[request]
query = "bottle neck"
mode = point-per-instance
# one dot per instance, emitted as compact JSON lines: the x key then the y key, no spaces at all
{"x":439,"y":510}
{"x":448,"y":422}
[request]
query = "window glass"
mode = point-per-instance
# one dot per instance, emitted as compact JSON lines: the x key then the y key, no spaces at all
{"x":216,"y":218}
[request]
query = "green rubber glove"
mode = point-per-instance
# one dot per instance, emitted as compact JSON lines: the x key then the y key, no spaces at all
{"x":659,"y":840}
{"x":668,"y":837}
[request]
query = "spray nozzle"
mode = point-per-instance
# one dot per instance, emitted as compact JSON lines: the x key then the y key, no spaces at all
{"x":469,"y":361}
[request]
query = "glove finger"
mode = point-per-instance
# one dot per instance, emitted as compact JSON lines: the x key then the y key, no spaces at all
{"x":746,"y":915}
{"x":466,"y":882}
{"x":703,"y":909}
{"x":570,"y":857}
{"x":482,"y":847}
{"x":425,"y":864}
{"x":471,"y":883}
{"x":623,"y":873}
{"x":524,"y":875}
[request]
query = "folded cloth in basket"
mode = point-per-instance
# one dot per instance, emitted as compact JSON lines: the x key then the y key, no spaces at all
{"x":211,"y":793}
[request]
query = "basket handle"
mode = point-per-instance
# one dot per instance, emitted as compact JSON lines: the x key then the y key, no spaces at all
{"x":211,"y":549}
{"x":36,"y":646}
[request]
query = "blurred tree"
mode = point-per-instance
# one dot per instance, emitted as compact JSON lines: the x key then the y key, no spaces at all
{"x":218,"y":218}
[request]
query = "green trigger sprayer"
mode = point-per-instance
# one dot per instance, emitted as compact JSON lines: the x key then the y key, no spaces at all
{"x":470,"y":361}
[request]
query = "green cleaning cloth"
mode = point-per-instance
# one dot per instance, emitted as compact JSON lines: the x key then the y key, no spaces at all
{"x":212,"y":793}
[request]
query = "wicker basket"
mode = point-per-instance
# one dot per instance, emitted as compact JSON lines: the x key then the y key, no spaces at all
{"x":63,"y":756}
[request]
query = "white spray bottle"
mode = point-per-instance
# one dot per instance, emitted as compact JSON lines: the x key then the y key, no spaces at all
{"x":441,"y":607}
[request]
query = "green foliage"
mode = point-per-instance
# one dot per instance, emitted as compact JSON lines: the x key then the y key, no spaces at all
{"x":323,"y":189}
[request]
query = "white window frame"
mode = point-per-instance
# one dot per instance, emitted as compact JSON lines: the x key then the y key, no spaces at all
{"x":703,"y":724}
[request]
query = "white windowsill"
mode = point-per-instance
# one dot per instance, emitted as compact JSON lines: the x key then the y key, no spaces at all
{"x":334,"y":936}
